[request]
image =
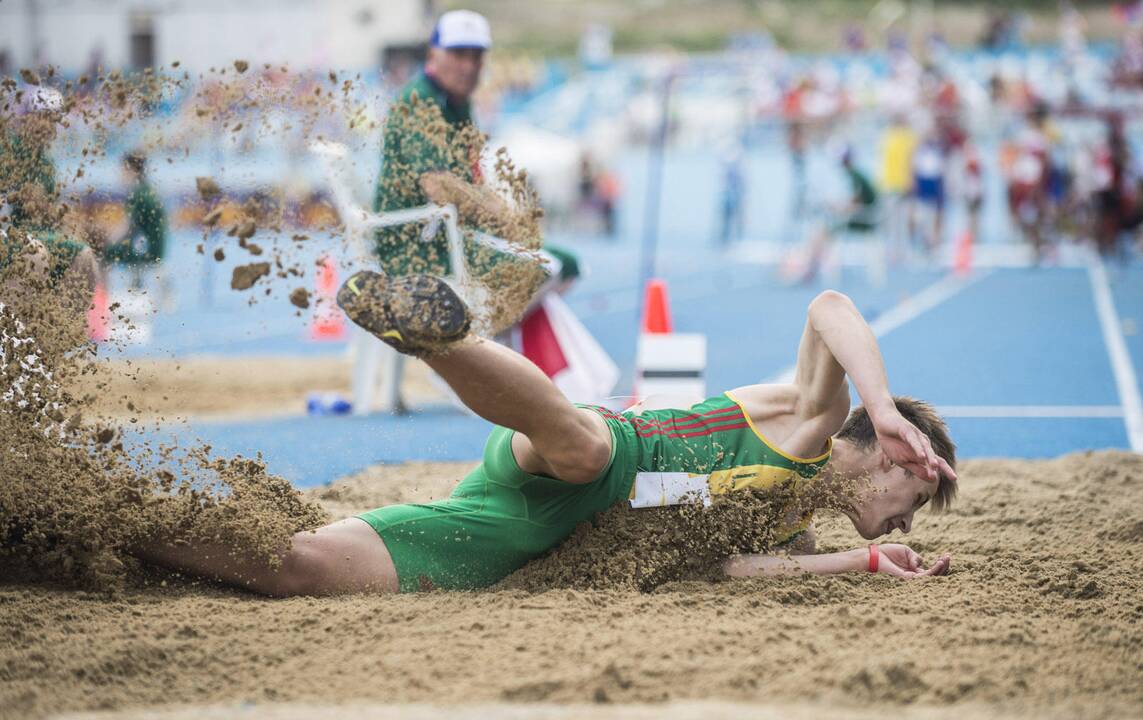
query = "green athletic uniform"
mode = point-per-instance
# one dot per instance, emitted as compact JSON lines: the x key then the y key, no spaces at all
{"x":500,"y":517}
{"x":147,"y":237}
{"x":864,"y":196}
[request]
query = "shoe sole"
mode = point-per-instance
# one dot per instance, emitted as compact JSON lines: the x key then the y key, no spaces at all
{"x":413,"y":313}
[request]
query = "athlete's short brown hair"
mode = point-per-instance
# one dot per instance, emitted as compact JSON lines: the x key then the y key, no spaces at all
{"x":858,"y":429}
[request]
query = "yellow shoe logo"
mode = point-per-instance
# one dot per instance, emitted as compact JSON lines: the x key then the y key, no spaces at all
{"x":352,"y":285}
{"x":393,"y":334}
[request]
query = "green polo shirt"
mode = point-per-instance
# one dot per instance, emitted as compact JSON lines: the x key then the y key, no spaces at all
{"x":422,"y":134}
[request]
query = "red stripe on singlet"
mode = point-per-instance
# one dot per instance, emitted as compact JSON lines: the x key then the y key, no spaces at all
{"x":698,"y":426}
{"x":693,"y":422}
{"x":698,"y":433}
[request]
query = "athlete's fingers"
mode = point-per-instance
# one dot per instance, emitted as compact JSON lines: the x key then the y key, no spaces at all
{"x":927,"y":455}
{"x":911,"y":437}
{"x":945,"y":468}
{"x":915,"y":561}
{"x":941,"y":566}
{"x":924,"y":453}
{"x":932,"y":459}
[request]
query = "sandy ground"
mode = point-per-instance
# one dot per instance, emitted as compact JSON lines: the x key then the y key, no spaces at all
{"x":208,"y":387}
{"x":1040,"y":617}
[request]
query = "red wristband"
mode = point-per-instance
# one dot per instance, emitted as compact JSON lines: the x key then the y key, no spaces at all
{"x":874,"y":558}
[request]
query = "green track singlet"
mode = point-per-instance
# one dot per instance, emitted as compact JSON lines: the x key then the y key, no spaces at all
{"x":500,"y":517}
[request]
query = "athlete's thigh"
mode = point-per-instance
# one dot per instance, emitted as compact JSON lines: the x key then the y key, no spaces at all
{"x":344,"y":557}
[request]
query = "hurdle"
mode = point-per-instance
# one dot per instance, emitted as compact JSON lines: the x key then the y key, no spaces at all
{"x":370,"y":355}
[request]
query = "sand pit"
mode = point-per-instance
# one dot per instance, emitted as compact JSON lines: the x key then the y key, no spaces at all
{"x":1041,"y":617}
{"x":209,"y":387}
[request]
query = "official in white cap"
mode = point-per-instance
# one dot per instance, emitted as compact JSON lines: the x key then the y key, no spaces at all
{"x":412,"y":163}
{"x":415,"y":170}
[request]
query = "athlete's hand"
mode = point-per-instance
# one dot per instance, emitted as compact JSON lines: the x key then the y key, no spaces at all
{"x":908,"y":447}
{"x":900,"y":561}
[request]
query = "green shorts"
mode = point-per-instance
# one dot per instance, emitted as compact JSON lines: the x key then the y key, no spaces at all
{"x":498,"y":518}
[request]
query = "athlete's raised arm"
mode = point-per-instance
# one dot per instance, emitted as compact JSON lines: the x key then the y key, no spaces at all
{"x":837,"y":342}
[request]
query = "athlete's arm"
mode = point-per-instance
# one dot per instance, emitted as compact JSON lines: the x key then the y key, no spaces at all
{"x":837,"y":342}
{"x":896,"y":560}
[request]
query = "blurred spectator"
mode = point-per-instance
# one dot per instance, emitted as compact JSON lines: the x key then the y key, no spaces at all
{"x":929,"y":164}
{"x":607,"y":192}
{"x":598,"y":192}
{"x":898,"y":144}
{"x":860,"y":215}
{"x":586,"y":184}
{"x":1127,"y":70}
{"x":853,"y":38}
{"x":142,"y":244}
{"x":1028,"y":180}
{"x":1117,"y":200}
{"x":1001,"y":31}
{"x":731,"y":211}
{"x":793,"y":111}
{"x":34,"y":211}
{"x":972,"y":188}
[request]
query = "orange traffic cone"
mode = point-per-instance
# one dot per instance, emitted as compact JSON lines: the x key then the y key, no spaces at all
{"x":98,"y":315}
{"x":328,"y":320}
{"x":962,"y":257}
{"x":656,"y":311}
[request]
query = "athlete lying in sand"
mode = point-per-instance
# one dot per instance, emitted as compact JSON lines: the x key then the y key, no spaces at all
{"x":550,"y":465}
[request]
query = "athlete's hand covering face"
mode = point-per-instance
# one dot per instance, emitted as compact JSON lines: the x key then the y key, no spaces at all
{"x":908,"y":447}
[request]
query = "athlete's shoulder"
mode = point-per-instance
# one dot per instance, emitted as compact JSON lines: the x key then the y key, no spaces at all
{"x":774,"y":409}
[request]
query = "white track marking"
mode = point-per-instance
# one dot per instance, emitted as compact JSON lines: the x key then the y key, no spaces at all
{"x":1031,"y":411}
{"x":1125,"y":381}
{"x":902,"y":313}
{"x":852,"y":254}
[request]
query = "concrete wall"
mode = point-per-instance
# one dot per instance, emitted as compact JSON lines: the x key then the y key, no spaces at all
{"x":342,"y":34}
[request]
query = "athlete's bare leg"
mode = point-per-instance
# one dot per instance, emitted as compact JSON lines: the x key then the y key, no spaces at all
{"x":553,"y":437}
{"x":345,"y":557}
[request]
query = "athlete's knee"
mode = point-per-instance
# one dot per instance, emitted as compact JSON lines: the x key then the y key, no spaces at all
{"x":582,"y":461}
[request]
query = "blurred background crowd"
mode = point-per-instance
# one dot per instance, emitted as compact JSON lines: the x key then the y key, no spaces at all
{"x":927,"y":125}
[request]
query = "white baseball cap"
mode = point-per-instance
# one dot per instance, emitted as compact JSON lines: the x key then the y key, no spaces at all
{"x":462,"y":29}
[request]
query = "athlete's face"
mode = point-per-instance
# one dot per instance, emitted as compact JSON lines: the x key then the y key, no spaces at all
{"x":889,"y":504}
{"x":456,"y":70}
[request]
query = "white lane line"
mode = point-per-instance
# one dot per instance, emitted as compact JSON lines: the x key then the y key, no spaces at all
{"x":1031,"y":411}
{"x":1125,"y":380}
{"x":902,"y":313}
